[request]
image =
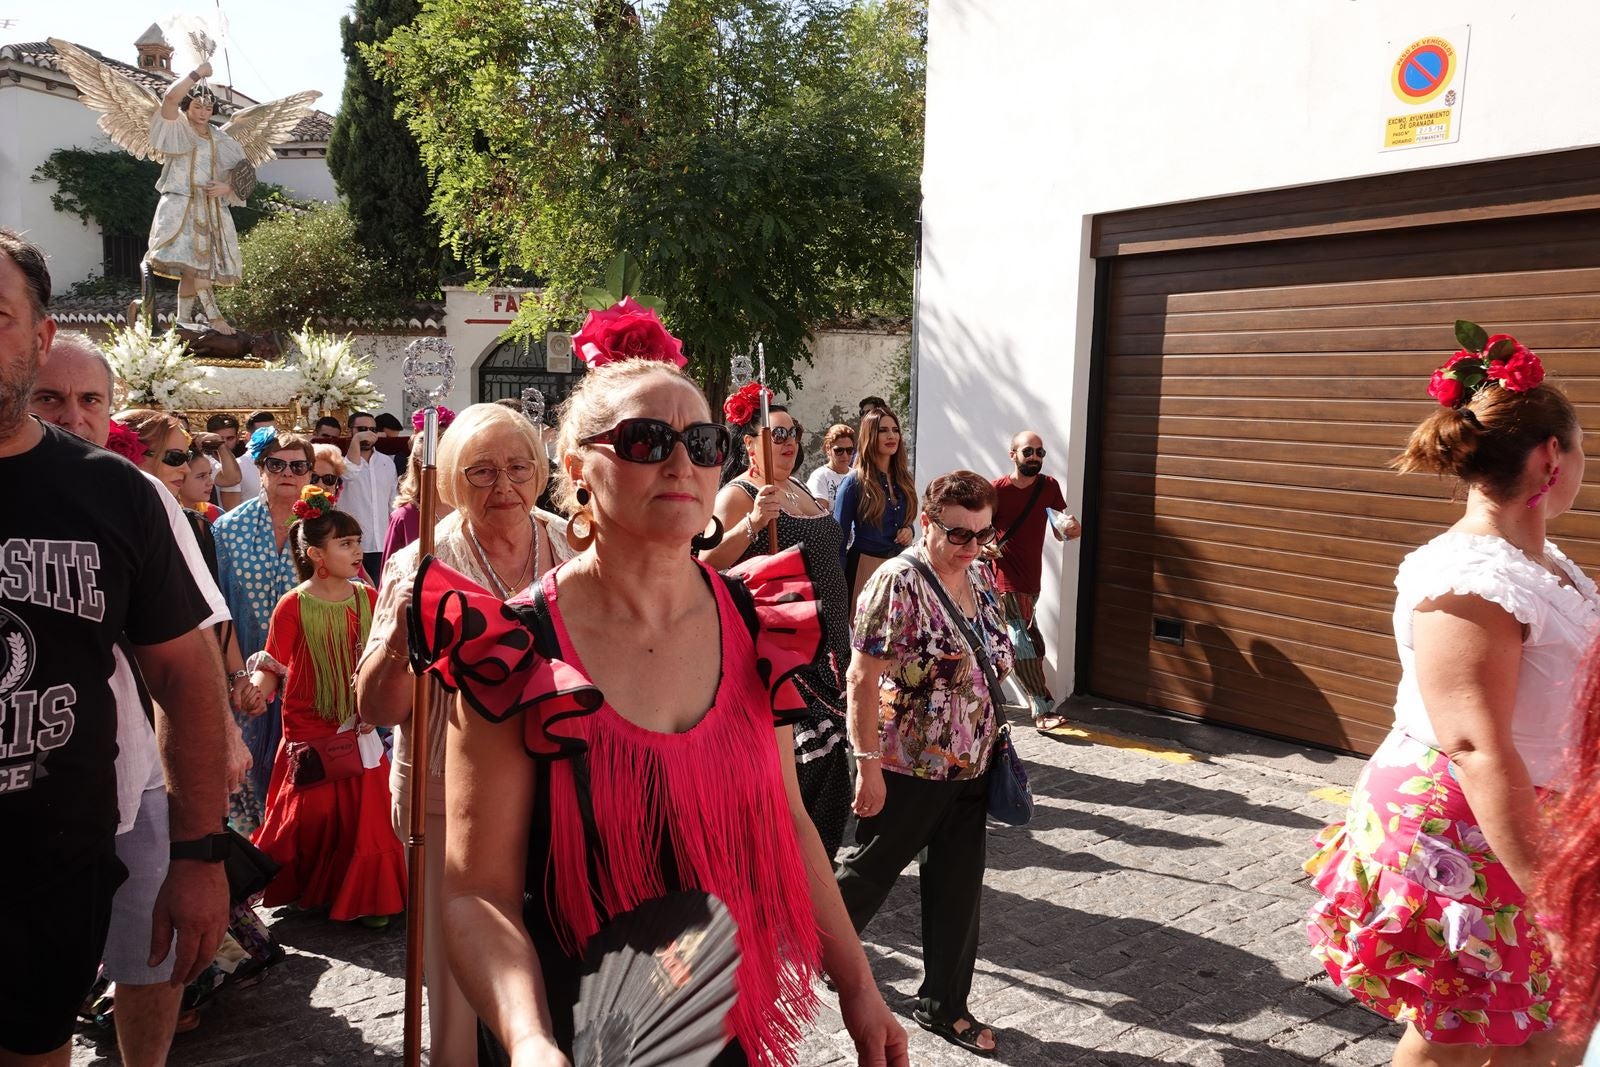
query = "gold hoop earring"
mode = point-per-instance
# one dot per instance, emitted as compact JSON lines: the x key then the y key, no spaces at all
{"x":580,"y":528}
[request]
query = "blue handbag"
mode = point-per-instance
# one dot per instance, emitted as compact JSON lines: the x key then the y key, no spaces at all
{"x":1010,"y":799}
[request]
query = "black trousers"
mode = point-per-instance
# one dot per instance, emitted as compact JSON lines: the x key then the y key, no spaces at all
{"x":949,"y":819}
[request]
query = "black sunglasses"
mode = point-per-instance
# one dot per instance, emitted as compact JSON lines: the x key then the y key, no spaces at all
{"x":1029,"y":453}
{"x":332,"y":481}
{"x":843,"y":450}
{"x":780,"y":434}
{"x":274,"y":465}
{"x":175,"y":457}
{"x":960,"y":535}
{"x":651,"y":441}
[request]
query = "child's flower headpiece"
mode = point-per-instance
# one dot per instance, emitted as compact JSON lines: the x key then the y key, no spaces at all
{"x":626,"y":330}
{"x":1483,"y":359}
{"x":446,"y":417}
{"x":125,"y":443}
{"x":743,"y":407}
{"x":314,"y":503}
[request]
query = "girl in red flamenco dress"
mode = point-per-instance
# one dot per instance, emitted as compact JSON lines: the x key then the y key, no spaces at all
{"x":327,"y":820}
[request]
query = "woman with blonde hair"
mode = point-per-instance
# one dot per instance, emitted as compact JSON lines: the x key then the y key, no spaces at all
{"x":491,"y":469}
{"x":629,"y":685}
{"x":873,"y":506}
{"x":1424,"y":914}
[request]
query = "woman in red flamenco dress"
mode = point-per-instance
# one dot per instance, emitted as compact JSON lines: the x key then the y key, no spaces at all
{"x":331,"y":833}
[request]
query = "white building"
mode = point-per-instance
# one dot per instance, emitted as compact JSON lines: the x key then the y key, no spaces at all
{"x":40,"y":113}
{"x":1170,"y":236}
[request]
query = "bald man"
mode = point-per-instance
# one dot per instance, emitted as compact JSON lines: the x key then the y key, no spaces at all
{"x":1019,"y":516}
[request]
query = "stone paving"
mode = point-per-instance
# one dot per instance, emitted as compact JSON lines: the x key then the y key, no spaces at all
{"x":1149,"y":914}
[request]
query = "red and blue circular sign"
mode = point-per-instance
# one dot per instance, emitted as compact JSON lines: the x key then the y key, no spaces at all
{"x":1424,"y":70}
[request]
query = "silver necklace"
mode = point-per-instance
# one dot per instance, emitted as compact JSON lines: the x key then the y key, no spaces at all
{"x":506,"y":588}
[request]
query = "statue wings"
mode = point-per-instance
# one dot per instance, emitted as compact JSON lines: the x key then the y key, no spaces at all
{"x":260,"y":127}
{"x":125,"y":108}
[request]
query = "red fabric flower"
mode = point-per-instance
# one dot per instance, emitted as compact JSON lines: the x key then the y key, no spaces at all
{"x":125,"y":443}
{"x":626,"y":331}
{"x":742,"y":407}
{"x":302,"y":510}
{"x":1446,"y":390}
{"x":1520,"y":372}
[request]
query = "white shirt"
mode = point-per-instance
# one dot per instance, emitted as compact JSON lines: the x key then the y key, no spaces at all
{"x":249,"y":479}
{"x":824,"y":483}
{"x":138,"y":760}
{"x":1561,"y":623}
{"x":369,"y":487}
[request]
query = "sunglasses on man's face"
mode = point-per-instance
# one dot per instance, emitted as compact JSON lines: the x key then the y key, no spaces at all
{"x":332,"y":481}
{"x":1029,"y":453}
{"x":960,"y":535}
{"x":274,"y":465}
{"x":175,"y":457}
{"x":651,"y":441}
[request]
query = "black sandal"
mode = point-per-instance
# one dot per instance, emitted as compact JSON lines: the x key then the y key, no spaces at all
{"x":967,"y":1039}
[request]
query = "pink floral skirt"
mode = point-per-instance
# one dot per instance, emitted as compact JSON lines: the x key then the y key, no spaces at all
{"x":1418,"y":919}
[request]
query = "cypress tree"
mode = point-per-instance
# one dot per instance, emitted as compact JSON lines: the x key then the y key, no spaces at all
{"x":374,"y":159}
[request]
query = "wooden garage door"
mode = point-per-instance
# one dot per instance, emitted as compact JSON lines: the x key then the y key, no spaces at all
{"x":1251,"y":398}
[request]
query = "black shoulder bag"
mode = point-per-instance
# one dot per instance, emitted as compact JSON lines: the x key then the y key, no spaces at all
{"x":1010,"y":800}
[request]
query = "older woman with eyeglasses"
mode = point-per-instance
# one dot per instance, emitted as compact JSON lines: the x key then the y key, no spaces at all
{"x":254,"y":570}
{"x":491,"y":469}
{"x":924,"y":722}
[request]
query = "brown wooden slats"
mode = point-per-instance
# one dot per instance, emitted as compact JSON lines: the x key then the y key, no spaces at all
{"x":1253,"y":398}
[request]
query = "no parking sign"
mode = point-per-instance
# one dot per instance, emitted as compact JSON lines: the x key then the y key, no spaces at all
{"x":1427,"y":79}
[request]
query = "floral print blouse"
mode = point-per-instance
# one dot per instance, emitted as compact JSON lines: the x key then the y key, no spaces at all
{"x":936,"y":717}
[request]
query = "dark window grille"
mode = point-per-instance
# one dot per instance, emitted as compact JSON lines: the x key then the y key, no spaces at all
{"x":122,"y":256}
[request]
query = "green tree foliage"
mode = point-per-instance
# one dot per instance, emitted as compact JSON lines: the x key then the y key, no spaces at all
{"x":302,"y":264}
{"x":759,"y":158}
{"x":374,"y":158}
{"x":118,"y":192}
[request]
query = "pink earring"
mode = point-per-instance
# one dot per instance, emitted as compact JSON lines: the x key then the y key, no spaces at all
{"x":1533,"y":501}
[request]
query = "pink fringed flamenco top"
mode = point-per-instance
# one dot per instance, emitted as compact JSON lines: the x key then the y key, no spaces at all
{"x":704,"y":809}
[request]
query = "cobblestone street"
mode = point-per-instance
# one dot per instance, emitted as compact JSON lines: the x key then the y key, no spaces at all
{"x":1151,"y":913}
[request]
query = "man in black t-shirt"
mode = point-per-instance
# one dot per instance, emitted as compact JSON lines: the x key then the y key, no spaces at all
{"x":87,"y":558}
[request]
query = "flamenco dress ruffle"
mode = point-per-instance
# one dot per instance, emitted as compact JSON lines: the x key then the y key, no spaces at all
{"x":712,"y":797}
{"x":1417,"y":918}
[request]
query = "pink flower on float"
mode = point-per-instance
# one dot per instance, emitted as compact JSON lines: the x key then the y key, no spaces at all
{"x":626,"y":330}
{"x":446,"y":417}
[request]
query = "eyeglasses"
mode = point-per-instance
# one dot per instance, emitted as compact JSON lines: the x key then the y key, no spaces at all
{"x":484,"y":476}
{"x":274,"y":465}
{"x":175,"y":457}
{"x":651,"y":441}
{"x":332,"y":481}
{"x":843,"y":450}
{"x":780,"y":434}
{"x":960,"y":535}
{"x":1029,"y":453}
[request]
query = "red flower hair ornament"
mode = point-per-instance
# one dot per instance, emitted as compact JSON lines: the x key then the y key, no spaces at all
{"x":626,"y":330}
{"x":1484,"y":359}
{"x":314,"y":503}
{"x":125,"y":443}
{"x":744,"y":406}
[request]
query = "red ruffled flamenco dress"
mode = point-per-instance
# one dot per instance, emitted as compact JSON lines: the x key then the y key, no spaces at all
{"x":705,"y":809}
{"x":333,"y":838}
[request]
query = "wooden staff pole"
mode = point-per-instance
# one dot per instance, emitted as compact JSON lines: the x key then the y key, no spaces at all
{"x":766,"y":468}
{"x":421,"y":690}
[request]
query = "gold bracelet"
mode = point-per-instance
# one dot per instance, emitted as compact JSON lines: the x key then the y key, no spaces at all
{"x":390,"y":653}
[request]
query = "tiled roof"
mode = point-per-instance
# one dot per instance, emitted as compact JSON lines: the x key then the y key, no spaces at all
{"x":315,"y":128}
{"x":111,"y":309}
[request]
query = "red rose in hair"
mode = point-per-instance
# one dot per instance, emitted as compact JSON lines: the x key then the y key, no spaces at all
{"x":742,"y":407}
{"x":303,"y":510}
{"x":1446,"y":390}
{"x":626,"y":331}
{"x":1520,"y":372}
{"x":125,"y":443}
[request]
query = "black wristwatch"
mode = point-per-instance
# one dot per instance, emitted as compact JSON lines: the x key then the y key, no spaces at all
{"x":212,"y":848}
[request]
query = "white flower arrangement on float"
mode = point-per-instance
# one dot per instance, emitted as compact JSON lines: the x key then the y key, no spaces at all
{"x":154,"y":371}
{"x":335,"y":378}
{"x":254,"y":387}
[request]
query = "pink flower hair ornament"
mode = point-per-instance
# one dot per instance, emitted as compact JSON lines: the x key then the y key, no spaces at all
{"x":446,"y":417}
{"x":125,"y":443}
{"x":1484,"y":359}
{"x":626,"y":330}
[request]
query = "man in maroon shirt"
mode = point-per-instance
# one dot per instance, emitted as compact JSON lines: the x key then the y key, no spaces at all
{"x":1020,"y":521}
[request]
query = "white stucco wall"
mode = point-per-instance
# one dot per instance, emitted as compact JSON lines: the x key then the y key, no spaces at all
{"x":34,"y":124}
{"x":1155,"y":101}
{"x":305,"y":177}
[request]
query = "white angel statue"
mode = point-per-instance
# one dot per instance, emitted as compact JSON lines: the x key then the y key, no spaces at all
{"x":205,"y":171}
